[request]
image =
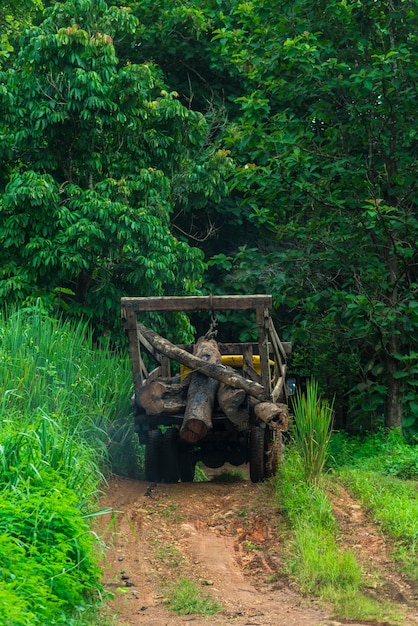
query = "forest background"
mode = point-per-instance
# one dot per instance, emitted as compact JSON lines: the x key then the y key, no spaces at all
{"x":222,"y":147}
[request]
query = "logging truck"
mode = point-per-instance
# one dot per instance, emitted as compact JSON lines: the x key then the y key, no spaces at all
{"x":207,"y":402}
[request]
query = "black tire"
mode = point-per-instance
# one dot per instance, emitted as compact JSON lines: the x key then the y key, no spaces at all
{"x":187,"y":465}
{"x":272,"y":451}
{"x":153,"y":457}
{"x":257,"y":454}
{"x":170,"y":456}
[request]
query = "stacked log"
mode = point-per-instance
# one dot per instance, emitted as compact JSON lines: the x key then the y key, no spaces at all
{"x":201,"y":395}
{"x":217,"y":371}
{"x":163,"y":396}
{"x":234,"y":404}
{"x":209,"y":383}
{"x":273,"y":413}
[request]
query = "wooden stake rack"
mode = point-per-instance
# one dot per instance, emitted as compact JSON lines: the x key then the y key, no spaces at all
{"x":269,"y":385}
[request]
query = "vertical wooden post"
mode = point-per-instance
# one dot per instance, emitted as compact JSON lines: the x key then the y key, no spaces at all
{"x":165,"y":366}
{"x":262,"y":316}
{"x":135,"y":353}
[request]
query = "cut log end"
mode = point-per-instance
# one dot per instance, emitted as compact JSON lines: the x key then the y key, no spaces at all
{"x":193,"y":431}
{"x":272,"y":413}
{"x":162,"y":396}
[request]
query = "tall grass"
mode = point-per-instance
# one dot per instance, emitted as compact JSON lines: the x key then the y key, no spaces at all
{"x":64,"y":422}
{"x":313,"y":556}
{"x":312,"y":430}
{"x":61,"y":388}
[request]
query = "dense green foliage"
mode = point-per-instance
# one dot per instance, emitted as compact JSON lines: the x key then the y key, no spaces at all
{"x":98,"y":153}
{"x":275,"y":141}
{"x":325,"y":138}
{"x":14,"y":15}
{"x":64,"y":421}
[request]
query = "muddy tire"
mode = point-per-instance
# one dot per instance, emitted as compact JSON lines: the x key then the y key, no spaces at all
{"x":272,"y":451}
{"x":170,"y":456}
{"x":257,"y":454}
{"x":153,"y":457}
{"x":187,"y":466}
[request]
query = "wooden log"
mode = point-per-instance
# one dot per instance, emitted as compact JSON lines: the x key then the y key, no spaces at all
{"x":162,"y":396}
{"x":273,"y":413}
{"x":248,"y":370}
{"x":234,"y":403}
{"x":201,"y":395}
{"x":217,"y":371}
{"x":196,"y":303}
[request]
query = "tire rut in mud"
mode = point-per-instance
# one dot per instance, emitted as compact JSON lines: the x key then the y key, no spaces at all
{"x":226,"y":538}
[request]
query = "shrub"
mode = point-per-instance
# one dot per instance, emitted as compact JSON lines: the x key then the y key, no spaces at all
{"x":48,"y":569}
{"x":311,"y":430}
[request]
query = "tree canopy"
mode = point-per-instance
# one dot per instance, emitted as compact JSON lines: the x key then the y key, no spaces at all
{"x":274,"y":141}
{"x":98,"y":155}
{"x":326,"y":138}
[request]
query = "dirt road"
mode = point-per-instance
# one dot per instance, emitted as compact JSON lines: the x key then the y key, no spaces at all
{"x":227,"y":538}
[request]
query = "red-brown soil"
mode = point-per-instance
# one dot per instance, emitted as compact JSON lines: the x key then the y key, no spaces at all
{"x":228,"y":538}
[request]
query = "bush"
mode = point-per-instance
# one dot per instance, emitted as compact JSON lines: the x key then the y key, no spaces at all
{"x":386,"y":452}
{"x":48,"y":570}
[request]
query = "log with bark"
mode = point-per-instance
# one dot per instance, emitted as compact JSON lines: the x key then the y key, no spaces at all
{"x":216,"y":371}
{"x":234,"y":403}
{"x":201,"y":394}
{"x":273,"y":413}
{"x":163,"y":396}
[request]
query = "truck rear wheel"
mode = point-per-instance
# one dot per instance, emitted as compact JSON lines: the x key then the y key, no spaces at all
{"x":272,"y":451}
{"x":170,"y":456}
{"x":257,"y":454}
{"x":187,"y":465}
{"x":153,"y":456}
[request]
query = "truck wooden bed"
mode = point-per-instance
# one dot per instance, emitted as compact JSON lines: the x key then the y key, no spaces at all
{"x":208,"y":401}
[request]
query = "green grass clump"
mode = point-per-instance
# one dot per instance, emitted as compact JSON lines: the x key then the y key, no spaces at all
{"x":312,"y":430}
{"x":48,"y":569}
{"x":313,"y":556}
{"x":394,"y":504}
{"x":185,"y":598}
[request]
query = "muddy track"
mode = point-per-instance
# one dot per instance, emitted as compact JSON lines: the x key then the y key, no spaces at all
{"x":228,"y":539}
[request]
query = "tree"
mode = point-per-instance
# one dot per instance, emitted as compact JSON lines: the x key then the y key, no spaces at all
{"x":99,"y":154}
{"x":326,"y":140}
{"x":14,"y":14}
{"x":177,"y":35}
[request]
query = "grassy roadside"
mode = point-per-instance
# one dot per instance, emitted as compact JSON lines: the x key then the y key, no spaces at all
{"x":382,"y":473}
{"x":62,"y":424}
{"x":393,"y":503}
{"x":313,"y":556}
{"x":379,"y":472}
